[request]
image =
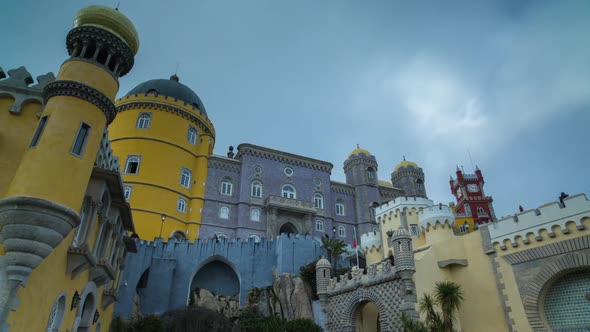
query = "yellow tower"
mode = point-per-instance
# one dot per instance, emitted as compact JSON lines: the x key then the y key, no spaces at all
{"x":164,"y":139}
{"x":38,"y":209}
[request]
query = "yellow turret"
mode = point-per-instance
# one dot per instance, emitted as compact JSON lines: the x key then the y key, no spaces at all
{"x":164,"y":138}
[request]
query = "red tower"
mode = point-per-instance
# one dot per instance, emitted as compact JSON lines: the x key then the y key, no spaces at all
{"x":471,"y":200}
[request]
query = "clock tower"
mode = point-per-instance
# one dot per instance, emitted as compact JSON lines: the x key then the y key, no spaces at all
{"x":471,"y":199}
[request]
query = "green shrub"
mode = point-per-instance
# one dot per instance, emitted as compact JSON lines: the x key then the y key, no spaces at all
{"x":302,"y":324}
{"x":150,"y":323}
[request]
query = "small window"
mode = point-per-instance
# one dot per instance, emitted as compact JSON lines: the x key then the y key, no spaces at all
{"x":81,"y":139}
{"x":127,"y":192}
{"x":370,"y":173}
{"x":288,"y":191}
{"x":415,"y":230}
{"x":192,"y":135}
{"x":132,"y":164}
{"x":341,"y":231}
{"x":339,"y":208}
{"x":57,"y":314}
{"x":255,"y":237}
{"x":224,"y":212}
{"x":319,"y":225}
{"x":85,"y":215}
{"x":318,"y":201}
{"x":464,"y":228}
{"x":38,"y":131}
{"x":185,"y":177}
{"x":226,"y":187}
{"x":256,"y":190}
{"x":255,"y":215}
{"x":288,"y":171}
{"x":480,"y":211}
{"x":181,"y":205}
{"x":221,"y":236}
{"x":144,"y":120}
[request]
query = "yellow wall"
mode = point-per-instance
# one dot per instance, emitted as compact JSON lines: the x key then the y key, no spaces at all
{"x":17,"y":131}
{"x":482,"y":309}
{"x":65,"y":185}
{"x":164,"y":150}
{"x":36,"y":297}
{"x":511,"y":291}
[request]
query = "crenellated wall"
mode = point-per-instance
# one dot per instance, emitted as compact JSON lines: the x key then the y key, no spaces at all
{"x":534,"y":223}
{"x":171,"y":267}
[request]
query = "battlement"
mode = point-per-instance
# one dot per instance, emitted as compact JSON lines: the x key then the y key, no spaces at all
{"x":441,"y":214}
{"x":371,"y":240}
{"x":373,"y":274}
{"x":105,"y":158}
{"x":545,"y":218}
{"x":400,"y":203}
{"x":18,"y":86}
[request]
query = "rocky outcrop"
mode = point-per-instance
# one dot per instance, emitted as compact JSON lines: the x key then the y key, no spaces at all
{"x":293,"y":298}
{"x":225,"y":305}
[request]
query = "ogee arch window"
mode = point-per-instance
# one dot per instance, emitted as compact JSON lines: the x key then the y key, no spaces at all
{"x":341,"y":231}
{"x":192,"y":135}
{"x":319,"y":225}
{"x":255,"y":214}
{"x":318,"y":201}
{"x":144,"y":120}
{"x":185,"y":177}
{"x":256,"y":189}
{"x":288,"y":191}
{"x":226,"y":187}
{"x":57,"y":314}
{"x":132,"y":164}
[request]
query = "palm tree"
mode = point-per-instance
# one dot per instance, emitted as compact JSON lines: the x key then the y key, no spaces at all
{"x":449,"y":297}
{"x":335,"y":248}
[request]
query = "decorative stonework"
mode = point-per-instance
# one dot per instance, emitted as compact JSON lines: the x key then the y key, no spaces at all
{"x":225,"y":164}
{"x":342,"y":188}
{"x":84,"y":92}
{"x":19,"y":87}
{"x":565,"y":246}
{"x":79,"y":36}
{"x":204,"y":127}
{"x":543,"y":280}
{"x":284,"y":157}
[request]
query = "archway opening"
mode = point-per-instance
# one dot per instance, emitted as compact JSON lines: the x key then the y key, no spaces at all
{"x":566,"y":304}
{"x":366,"y":317}
{"x":87,"y":313}
{"x":288,"y":228}
{"x":217,"y":277}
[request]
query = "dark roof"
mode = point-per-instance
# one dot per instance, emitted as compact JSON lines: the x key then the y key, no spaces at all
{"x":171,"y":88}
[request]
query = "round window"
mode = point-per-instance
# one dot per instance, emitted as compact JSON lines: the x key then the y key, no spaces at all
{"x":257,"y":169}
{"x":317,"y":182}
{"x":288,"y":171}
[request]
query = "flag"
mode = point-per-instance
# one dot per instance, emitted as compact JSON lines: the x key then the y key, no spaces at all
{"x":354,"y":244}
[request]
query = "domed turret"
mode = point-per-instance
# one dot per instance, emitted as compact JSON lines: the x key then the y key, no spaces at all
{"x":111,"y":20}
{"x":171,"y":88}
{"x":359,"y":151}
{"x":409,"y":177}
{"x":323,"y":270}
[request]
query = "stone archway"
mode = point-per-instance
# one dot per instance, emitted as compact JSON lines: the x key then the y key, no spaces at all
{"x":218,"y":277}
{"x":345,"y":317}
{"x":367,"y":318}
{"x":542,"y":283}
{"x":288,"y":228}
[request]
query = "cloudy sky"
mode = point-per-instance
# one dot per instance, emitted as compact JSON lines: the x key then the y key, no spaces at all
{"x":508,"y":81}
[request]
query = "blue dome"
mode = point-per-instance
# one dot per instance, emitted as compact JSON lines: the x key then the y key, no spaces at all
{"x":171,"y":88}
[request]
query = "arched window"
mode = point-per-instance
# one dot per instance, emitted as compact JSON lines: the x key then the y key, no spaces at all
{"x":464,"y":228}
{"x":127,"y":192}
{"x":318,"y":201}
{"x":256,"y":190}
{"x":288,"y":191}
{"x":185,"y":177}
{"x":192,"y":135}
{"x":255,"y":215}
{"x":57,"y":314}
{"x":480,"y":211}
{"x":414,"y":230}
{"x":226,"y":187}
{"x":178,"y":235}
{"x":144,"y":120}
{"x":220,"y":236}
{"x":370,"y":173}
{"x":181,"y":205}
{"x":319,"y":225}
{"x":255,"y":237}
{"x":85,"y":220}
{"x":132,"y":164}
{"x":341,"y":231}
{"x":224,"y":212}
{"x":339,"y":207}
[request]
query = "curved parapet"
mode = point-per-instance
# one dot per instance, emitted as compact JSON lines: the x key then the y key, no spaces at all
{"x":437,"y":214}
{"x":370,"y":241}
{"x":535,"y":223}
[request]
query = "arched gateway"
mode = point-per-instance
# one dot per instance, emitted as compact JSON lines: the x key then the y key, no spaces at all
{"x":389,"y":287}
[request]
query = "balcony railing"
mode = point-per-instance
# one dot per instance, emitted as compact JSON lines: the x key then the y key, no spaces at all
{"x":290,"y":204}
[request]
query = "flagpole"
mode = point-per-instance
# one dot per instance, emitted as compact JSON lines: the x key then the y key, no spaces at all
{"x":357,"y":248}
